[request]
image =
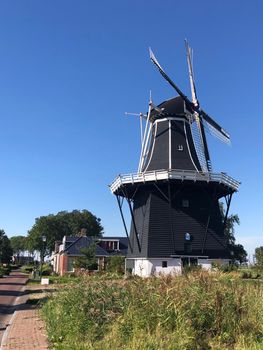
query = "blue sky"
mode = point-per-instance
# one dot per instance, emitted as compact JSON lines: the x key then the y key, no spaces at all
{"x":70,"y":69}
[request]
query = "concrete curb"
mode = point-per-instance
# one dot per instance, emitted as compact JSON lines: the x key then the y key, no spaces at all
{"x":5,"y":336}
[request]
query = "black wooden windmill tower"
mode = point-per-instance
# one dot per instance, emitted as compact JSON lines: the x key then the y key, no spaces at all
{"x":174,"y":197}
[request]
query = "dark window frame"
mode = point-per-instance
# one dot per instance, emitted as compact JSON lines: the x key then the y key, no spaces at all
{"x":164,"y":264}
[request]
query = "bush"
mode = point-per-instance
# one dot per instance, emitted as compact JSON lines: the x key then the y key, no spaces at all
{"x":5,"y":269}
{"x":249,"y":274}
{"x":88,"y":260}
{"x":1,"y":272}
{"x":196,"y":311}
{"x":70,"y":278}
{"x":116,"y":264}
{"x":225,"y":267}
{"x":14,"y":266}
{"x":46,"y":270}
{"x":27,"y":268}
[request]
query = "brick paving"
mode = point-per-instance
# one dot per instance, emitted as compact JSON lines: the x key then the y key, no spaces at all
{"x":26,"y":332}
{"x":12,"y":296}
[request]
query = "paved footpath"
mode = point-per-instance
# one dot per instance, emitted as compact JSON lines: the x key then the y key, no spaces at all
{"x":21,"y":328}
{"x":26,"y":332}
{"x":12,"y":295}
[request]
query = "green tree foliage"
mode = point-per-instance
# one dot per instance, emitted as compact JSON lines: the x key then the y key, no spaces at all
{"x":6,"y":251}
{"x":88,"y":260}
{"x":238,"y":252}
{"x":19,"y":245}
{"x":231,"y":221}
{"x":55,"y":227}
{"x":116,"y":264}
{"x":259,"y":256}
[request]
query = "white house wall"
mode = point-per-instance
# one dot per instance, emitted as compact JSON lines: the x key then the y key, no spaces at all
{"x":205,"y":264}
{"x":153,"y":267}
{"x":150,"y":267}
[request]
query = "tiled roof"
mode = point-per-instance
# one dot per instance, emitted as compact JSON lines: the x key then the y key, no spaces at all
{"x":74,"y":244}
{"x":79,"y":243}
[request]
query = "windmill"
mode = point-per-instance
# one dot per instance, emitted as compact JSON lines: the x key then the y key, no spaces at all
{"x":174,"y":196}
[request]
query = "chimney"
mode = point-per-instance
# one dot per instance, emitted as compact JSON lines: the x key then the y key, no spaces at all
{"x":83,"y":232}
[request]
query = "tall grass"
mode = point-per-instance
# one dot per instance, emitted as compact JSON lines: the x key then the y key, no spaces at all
{"x":197,"y":311}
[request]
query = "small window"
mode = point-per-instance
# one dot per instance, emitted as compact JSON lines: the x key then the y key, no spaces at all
{"x":187,"y":236}
{"x":185,"y":203}
{"x":180,"y":147}
{"x":164,"y":263}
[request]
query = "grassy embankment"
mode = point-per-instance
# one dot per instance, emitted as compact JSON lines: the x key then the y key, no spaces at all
{"x":196,"y":311}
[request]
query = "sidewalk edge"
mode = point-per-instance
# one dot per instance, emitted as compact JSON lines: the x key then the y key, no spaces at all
{"x":16,"y":303}
{"x":5,"y":336}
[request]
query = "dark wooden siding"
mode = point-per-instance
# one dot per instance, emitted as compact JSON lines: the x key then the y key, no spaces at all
{"x":180,"y":159}
{"x":162,"y":228}
{"x":159,"y":155}
{"x":141,"y":212}
{"x":160,"y":148}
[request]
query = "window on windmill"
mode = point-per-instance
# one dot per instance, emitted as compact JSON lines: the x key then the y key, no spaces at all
{"x":185,"y":203}
{"x":187,"y":236}
{"x":164,"y":263}
{"x":180,"y":147}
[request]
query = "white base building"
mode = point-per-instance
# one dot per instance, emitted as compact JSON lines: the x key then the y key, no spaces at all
{"x":169,"y":266}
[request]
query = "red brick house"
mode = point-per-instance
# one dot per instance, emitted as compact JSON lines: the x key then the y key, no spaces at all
{"x":70,"y":248}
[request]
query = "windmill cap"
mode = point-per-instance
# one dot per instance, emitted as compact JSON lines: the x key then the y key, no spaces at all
{"x":172,"y":107}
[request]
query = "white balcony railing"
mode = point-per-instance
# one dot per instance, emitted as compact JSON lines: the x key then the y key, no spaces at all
{"x":182,"y":175}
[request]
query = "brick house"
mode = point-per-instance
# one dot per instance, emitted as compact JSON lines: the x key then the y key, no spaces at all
{"x":70,"y":248}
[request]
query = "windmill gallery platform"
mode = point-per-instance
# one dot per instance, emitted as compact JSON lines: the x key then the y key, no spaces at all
{"x":175,"y":198}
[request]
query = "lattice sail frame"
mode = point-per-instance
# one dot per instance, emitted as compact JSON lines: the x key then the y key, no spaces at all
{"x":199,"y":143}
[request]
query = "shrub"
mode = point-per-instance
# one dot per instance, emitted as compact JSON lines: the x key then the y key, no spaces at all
{"x":250,"y":274}
{"x":88,"y":260}
{"x":116,"y":264}
{"x":1,"y":272}
{"x":5,"y":269}
{"x":27,"y":268}
{"x":46,"y":270}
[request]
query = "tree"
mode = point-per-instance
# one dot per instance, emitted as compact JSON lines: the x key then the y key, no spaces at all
{"x":259,"y":256}
{"x":19,"y":245}
{"x":237,"y":251}
{"x":116,"y":263}
{"x":6,"y":251}
{"x":55,"y":227}
{"x":230,"y":228}
{"x":88,"y":261}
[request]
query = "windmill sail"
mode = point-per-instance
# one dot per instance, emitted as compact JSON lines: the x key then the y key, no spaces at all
{"x":196,"y":125}
{"x":189,"y":55}
{"x":213,"y":127}
{"x":180,"y":93}
{"x":199,"y":143}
